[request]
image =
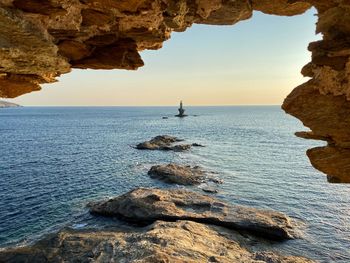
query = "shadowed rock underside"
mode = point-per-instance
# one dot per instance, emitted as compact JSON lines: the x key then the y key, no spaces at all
{"x":42,"y":39}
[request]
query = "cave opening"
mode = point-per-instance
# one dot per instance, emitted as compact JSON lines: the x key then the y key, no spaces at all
{"x":255,"y":62}
{"x":278,"y":172}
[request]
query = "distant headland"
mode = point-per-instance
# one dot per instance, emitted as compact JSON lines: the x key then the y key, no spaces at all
{"x":5,"y":104}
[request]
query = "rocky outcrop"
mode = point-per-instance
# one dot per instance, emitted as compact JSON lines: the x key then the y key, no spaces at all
{"x":328,"y":117}
{"x":145,"y":205}
{"x":322,"y":103}
{"x":180,"y":174}
{"x":40,"y":40}
{"x":164,"y":143}
{"x":181,"y":241}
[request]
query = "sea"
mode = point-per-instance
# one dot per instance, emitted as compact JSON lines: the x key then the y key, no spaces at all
{"x":55,"y":160}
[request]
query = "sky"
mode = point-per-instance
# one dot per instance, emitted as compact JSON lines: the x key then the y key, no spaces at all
{"x":255,"y":62}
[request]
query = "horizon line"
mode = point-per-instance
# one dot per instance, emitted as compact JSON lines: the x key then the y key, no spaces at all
{"x":228,"y":105}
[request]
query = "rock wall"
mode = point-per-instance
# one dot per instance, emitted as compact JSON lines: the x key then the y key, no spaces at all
{"x":322,"y":103}
{"x":42,"y":39}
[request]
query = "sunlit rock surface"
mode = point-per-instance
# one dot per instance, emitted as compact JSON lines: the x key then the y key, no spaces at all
{"x":146,"y":205}
{"x":178,"y":174}
{"x":181,"y":241}
{"x":42,"y":39}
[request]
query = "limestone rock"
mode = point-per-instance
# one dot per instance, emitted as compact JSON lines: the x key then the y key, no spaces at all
{"x":181,"y":241}
{"x":281,"y":7}
{"x":145,"y":205}
{"x":328,"y":117}
{"x":333,"y":161}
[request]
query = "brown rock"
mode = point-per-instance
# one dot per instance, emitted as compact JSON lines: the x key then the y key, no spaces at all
{"x":326,"y":115}
{"x":26,"y":50}
{"x":163,"y":143}
{"x":121,"y":5}
{"x":180,"y":174}
{"x":74,"y":50}
{"x":44,"y":7}
{"x":173,"y":173}
{"x":336,"y":63}
{"x":145,"y":205}
{"x":181,"y":241}
{"x":95,"y":18}
{"x":102,"y":40}
{"x":180,"y":147}
{"x":333,"y":161}
{"x":121,"y":55}
{"x":229,"y":13}
{"x":329,"y":119}
{"x":311,"y":136}
{"x":11,"y":88}
{"x":281,"y":7}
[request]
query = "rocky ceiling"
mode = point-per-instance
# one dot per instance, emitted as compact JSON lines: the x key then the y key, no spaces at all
{"x":42,"y":39}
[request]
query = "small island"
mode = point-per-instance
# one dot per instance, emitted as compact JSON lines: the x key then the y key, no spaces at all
{"x":5,"y":104}
{"x":181,"y":111}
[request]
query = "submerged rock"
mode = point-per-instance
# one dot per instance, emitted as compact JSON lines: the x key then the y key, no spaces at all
{"x":145,"y":205}
{"x":164,"y":143}
{"x":181,"y":241}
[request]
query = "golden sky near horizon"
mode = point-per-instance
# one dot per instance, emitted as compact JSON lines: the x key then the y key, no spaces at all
{"x":256,"y":62}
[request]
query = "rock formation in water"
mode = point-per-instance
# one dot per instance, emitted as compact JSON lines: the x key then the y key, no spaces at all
{"x":177,"y":174}
{"x":180,"y":174}
{"x":164,"y":143}
{"x":42,"y":39}
{"x":181,"y":241}
{"x":146,"y":205}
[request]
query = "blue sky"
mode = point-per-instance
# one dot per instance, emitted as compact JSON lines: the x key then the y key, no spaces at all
{"x":257,"y":61}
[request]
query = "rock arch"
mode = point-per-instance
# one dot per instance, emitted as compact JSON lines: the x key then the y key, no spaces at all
{"x":42,"y":39}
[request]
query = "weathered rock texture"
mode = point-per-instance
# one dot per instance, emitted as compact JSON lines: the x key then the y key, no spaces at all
{"x":164,"y":143}
{"x":161,"y":242}
{"x":42,"y":39}
{"x":177,"y":174}
{"x":180,"y":174}
{"x":146,"y":205}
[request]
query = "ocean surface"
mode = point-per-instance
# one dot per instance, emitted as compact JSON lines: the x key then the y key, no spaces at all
{"x":54,"y":160}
